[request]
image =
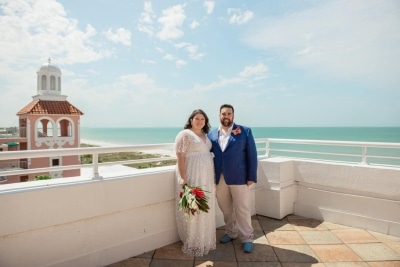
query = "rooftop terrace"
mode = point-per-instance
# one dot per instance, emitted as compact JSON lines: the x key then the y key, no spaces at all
{"x":292,"y":241}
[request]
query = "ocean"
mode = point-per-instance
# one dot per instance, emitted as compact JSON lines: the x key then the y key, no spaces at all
{"x":135,"y":136}
{"x":145,"y":136}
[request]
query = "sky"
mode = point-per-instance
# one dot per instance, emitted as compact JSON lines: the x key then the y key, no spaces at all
{"x":131,"y":63}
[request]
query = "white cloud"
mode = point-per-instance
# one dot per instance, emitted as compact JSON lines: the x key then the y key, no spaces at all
{"x":141,"y":80}
{"x":40,"y":29}
{"x":169,"y":57}
{"x":171,"y":22}
{"x":209,"y":5}
{"x":146,"y":19}
{"x":121,"y":35}
{"x":178,"y":62}
{"x":194,"y":24}
{"x":148,"y":61}
{"x":259,"y":71}
{"x":248,"y":77}
{"x":239,"y":17}
{"x":191,"y":49}
{"x":351,"y":40}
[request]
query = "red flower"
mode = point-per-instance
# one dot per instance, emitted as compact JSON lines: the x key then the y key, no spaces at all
{"x":193,"y":200}
{"x":237,"y":130}
{"x":198,"y":192}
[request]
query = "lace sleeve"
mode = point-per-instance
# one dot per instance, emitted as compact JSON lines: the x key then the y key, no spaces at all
{"x":182,"y":141}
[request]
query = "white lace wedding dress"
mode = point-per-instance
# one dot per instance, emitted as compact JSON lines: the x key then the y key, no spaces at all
{"x":198,"y":232}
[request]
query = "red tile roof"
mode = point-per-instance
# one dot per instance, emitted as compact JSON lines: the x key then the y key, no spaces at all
{"x":50,"y":107}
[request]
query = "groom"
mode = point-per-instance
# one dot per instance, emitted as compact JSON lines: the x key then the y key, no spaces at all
{"x":235,"y":164}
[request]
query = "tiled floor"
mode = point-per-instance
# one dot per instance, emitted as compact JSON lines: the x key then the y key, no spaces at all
{"x":291,"y":242}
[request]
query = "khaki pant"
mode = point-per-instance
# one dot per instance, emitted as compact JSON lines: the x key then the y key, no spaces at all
{"x":233,"y":200}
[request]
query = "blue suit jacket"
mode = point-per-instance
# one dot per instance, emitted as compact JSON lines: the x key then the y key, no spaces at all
{"x":239,"y":161}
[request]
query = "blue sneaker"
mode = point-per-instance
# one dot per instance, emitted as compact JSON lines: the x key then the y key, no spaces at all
{"x":247,"y":247}
{"x":225,"y":239}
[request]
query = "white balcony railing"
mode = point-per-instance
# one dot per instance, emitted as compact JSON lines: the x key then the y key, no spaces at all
{"x":372,"y":153}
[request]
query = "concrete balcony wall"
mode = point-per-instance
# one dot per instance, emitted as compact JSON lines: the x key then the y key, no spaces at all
{"x":86,"y":222}
{"x":275,"y":191}
{"x":355,"y":195}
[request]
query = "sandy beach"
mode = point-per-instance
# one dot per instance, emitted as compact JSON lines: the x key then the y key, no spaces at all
{"x":163,"y":152}
{"x":119,"y":169}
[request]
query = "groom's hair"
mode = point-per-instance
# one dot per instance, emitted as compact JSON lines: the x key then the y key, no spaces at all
{"x":227,"y":106}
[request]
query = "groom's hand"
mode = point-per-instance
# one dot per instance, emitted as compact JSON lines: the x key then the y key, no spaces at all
{"x":249,"y":183}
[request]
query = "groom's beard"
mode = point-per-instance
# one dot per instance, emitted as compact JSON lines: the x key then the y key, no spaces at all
{"x":226,"y":122}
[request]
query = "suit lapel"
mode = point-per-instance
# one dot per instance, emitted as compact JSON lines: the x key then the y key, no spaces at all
{"x":230,"y":137}
{"x":215,"y":138}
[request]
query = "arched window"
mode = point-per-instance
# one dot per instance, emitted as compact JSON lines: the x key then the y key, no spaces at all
{"x":52,"y":82}
{"x":59,"y":83}
{"x":44,"y":128}
{"x":65,"y":128}
{"x":44,"y":85}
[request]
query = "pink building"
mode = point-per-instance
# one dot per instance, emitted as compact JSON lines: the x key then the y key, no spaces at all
{"x":49,"y":121}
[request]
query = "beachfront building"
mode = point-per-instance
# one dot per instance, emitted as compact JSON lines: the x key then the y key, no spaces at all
{"x":49,"y":121}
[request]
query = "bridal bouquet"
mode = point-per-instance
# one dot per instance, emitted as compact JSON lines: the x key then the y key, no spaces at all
{"x":193,"y":200}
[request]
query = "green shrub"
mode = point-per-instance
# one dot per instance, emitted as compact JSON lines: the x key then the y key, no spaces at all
{"x":42,"y":177}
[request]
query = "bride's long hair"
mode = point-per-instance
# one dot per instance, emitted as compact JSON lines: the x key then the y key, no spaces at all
{"x":207,"y":125}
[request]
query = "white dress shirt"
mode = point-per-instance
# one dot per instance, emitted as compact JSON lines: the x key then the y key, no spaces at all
{"x":223,"y":137}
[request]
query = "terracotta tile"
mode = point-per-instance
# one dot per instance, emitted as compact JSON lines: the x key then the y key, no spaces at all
{"x":273,"y":225}
{"x":300,"y":264}
{"x":385,"y":238}
{"x":319,"y":237}
{"x":200,"y":263}
{"x":292,"y":216}
{"x":171,"y":263}
{"x":261,"y":253}
{"x":374,"y":252}
{"x":321,"y":245}
{"x":173,"y":251}
{"x":224,"y":252}
{"x":262,"y":218}
{"x":335,"y":253}
{"x":50,"y":107}
{"x":355,"y":236}
{"x":256,"y":225}
{"x":307,"y":224}
{"x":132,"y":262}
{"x":259,"y":264}
{"x":147,"y":255}
{"x":295,"y":254}
{"x":260,"y":238}
{"x":394,"y":245}
{"x":332,"y":226}
{"x":285,"y":238}
{"x":384,"y":264}
{"x":346,"y":264}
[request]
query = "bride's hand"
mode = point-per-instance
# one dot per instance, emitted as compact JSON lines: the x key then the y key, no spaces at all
{"x":182,"y":182}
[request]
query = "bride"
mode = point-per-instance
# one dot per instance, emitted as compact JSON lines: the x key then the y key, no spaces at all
{"x":195,"y":167}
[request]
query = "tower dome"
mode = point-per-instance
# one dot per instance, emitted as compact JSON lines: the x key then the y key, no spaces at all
{"x":49,"y":67}
{"x":49,"y":80}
